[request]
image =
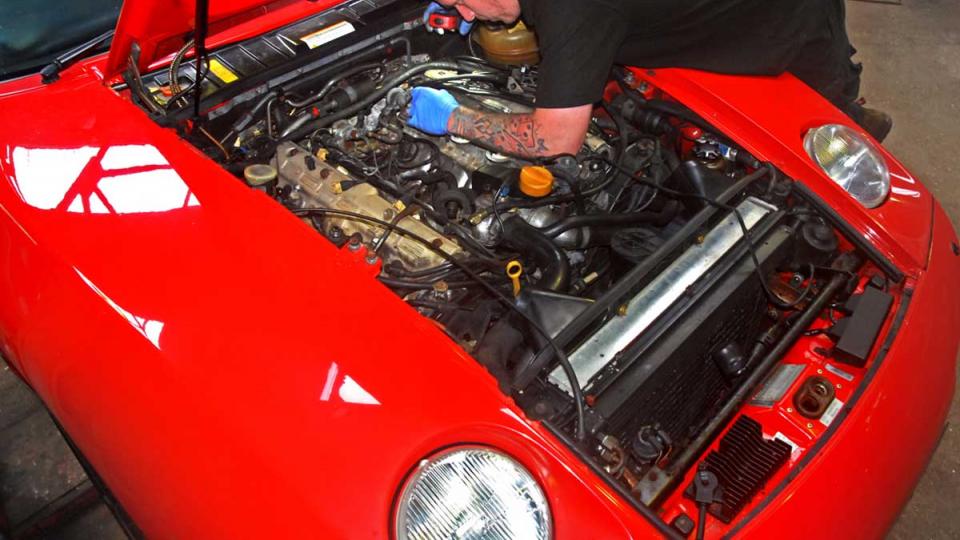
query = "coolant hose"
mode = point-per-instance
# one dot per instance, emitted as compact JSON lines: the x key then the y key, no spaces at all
{"x":550,"y":259}
{"x":658,"y":218}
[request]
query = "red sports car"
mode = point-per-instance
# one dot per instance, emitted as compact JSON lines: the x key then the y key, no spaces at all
{"x":262,"y":305}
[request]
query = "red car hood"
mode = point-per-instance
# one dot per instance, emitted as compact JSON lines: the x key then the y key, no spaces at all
{"x":160,"y":28}
{"x":226,"y":370}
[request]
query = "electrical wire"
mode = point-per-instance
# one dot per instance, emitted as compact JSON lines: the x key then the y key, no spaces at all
{"x":177,"y":92}
{"x":393,"y":225}
{"x":399,"y":271}
{"x":138,"y":88}
{"x":496,"y":197}
{"x":173,"y":73}
{"x":214,"y":141}
{"x":439,"y":306}
{"x":423,"y":286}
{"x":564,"y":361}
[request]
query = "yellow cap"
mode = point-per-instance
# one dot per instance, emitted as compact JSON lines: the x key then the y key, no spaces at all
{"x":536,"y":181}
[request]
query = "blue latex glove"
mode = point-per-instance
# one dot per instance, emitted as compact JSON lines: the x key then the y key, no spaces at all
{"x":465,"y":25}
{"x":430,"y":109}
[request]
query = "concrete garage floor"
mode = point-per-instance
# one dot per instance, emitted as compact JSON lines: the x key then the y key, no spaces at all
{"x":911,"y":57}
{"x":911,"y":54}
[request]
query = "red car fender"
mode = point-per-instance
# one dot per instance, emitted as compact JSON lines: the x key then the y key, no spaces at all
{"x":856,"y":483}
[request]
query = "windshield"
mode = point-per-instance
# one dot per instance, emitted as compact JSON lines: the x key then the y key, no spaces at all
{"x":34,"y":32}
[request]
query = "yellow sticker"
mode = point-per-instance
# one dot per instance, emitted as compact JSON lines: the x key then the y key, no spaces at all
{"x":221,"y":71}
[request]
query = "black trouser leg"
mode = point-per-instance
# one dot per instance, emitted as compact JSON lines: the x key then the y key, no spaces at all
{"x":825,"y":62}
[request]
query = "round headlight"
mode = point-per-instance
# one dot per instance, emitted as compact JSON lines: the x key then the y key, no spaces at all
{"x":472,"y":492}
{"x":851,"y":161}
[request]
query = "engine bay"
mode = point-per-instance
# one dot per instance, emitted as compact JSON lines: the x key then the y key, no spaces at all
{"x":634,"y":297}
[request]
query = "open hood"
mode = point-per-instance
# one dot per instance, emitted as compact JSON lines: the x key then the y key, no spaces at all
{"x":160,"y":28}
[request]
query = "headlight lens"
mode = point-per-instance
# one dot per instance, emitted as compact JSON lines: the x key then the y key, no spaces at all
{"x":851,"y":161}
{"x":472,"y":492}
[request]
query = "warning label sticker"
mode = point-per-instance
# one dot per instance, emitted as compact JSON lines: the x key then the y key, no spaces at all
{"x":328,"y":34}
{"x":831,"y":413}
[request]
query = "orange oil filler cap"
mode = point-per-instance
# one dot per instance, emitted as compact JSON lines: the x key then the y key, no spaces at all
{"x":536,"y":181}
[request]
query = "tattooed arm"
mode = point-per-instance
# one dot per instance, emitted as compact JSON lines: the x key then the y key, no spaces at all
{"x":544,"y":132}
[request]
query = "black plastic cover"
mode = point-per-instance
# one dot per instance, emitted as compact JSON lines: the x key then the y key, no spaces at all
{"x":857,"y":333}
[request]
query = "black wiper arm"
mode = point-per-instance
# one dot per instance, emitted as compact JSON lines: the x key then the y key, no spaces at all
{"x":51,"y":71}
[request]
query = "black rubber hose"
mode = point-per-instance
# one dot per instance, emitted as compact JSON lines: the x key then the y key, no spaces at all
{"x":244,"y":121}
{"x":550,"y":259}
{"x":658,"y":218}
{"x":701,"y":520}
{"x":437,"y":177}
{"x":332,"y":82}
{"x":420,"y":285}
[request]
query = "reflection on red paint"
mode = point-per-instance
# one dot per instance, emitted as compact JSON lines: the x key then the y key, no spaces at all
{"x":148,"y":328}
{"x":124,"y":179}
{"x":347,"y":389}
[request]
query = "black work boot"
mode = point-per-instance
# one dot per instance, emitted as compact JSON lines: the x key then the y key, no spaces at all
{"x":876,"y":123}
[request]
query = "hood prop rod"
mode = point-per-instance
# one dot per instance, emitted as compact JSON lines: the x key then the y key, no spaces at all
{"x":200,"y":51}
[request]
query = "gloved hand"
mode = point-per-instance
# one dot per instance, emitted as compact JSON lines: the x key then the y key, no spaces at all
{"x":464,"y":26}
{"x":430,"y":109}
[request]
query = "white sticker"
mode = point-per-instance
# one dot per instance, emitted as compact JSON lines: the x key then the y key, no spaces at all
{"x":328,"y":34}
{"x":832,"y":411}
{"x":777,"y":384}
{"x":840,"y":373}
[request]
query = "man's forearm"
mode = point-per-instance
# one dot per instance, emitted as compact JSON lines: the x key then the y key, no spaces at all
{"x":513,"y":133}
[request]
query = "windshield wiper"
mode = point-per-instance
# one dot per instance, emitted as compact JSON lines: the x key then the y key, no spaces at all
{"x":51,"y":72}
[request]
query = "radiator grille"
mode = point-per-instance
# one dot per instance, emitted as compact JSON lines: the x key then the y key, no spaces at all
{"x":682,"y":396}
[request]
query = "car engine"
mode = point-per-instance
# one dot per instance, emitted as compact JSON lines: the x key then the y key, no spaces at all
{"x":625,"y":295}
